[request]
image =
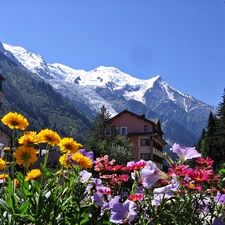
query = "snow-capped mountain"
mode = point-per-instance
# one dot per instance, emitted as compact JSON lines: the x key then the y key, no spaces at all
{"x":117,"y":91}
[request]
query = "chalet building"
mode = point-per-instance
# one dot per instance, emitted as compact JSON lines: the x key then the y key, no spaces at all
{"x":145,"y":134}
{"x":5,"y":138}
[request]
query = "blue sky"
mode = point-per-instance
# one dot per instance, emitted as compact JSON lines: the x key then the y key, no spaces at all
{"x":183,"y":41}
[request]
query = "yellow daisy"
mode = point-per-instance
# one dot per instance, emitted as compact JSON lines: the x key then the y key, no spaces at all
{"x":49,"y":136}
{"x":33,"y":174}
{"x":69,"y":145}
{"x":15,"y":120}
{"x":3,"y":176}
{"x":25,"y":156}
{"x":29,"y":139}
{"x":81,"y":160}
{"x":2,"y":164}
{"x":63,"y":160}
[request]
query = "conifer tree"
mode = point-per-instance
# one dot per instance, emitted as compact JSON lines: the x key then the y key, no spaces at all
{"x":210,"y":145}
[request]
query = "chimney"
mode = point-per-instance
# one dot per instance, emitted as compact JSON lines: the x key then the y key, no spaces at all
{"x":143,"y":115}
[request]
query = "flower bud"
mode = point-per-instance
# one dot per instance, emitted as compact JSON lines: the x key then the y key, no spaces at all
{"x":6,"y":150}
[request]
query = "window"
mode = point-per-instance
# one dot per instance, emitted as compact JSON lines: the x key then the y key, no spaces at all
{"x":145,"y":156}
{"x":145,"y":142}
{"x":145,"y":127}
{"x":123,"y":130}
{"x":107,"y":131}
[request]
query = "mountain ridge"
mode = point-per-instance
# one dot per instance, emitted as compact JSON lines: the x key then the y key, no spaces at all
{"x":109,"y":86}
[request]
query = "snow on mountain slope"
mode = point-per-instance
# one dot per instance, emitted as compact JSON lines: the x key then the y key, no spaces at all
{"x":83,"y":94}
{"x":28,"y":59}
{"x":62,"y":72}
{"x":103,"y":77}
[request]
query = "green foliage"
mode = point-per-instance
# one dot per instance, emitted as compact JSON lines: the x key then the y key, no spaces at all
{"x":212,"y":140}
{"x":38,"y":102}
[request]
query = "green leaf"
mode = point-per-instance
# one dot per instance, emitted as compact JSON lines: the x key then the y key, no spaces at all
{"x":5,"y":206}
{"x":45,"y":171}
{"x":222,"y":171}
{"x":23,"y":208}
{"x":84,"y":221}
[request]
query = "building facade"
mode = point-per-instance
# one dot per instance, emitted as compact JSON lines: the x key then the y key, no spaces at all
{"x":145,"y":134}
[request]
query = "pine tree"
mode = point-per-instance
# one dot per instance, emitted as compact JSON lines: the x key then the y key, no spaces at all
{"x":210,"y":145}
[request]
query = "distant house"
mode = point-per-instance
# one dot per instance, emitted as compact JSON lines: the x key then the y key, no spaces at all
{"x":145,"y":134}
{"x":5,"y":138}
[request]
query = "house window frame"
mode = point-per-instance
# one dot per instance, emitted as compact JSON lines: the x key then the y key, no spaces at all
{"x":146,"y":158}
{"x":145,"y":142}
{"x":108,"y":131}
{"x":145,"y":127}
{"x":121,"y":130}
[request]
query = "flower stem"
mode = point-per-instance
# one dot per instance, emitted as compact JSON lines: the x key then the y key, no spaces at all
{"x":46,"y":155}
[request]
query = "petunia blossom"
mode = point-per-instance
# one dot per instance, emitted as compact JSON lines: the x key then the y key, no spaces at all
{"x":165,"y":192}
{"x":185,"y":153}
{"x":220,"y":198}
{"x":150,"y":174}
{"x":85,"y":176}
{"x":123,"y":212}
{"x":102,"y":196}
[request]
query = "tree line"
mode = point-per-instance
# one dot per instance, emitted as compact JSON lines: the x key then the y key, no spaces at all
{"x":212,"y":139}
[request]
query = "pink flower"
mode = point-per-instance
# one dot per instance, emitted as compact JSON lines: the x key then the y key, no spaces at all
{"x":204,"y":163}
{"x":200,"y":175}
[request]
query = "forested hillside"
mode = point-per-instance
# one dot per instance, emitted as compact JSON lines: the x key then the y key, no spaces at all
{"x":39,"y":103}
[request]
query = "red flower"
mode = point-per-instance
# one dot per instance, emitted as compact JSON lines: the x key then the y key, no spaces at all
{"x":179,"y":170}
{"x":204,"y":163}
{"x":200,"y":175}
{"x":192,"y":186}
{"x":136,"y":197}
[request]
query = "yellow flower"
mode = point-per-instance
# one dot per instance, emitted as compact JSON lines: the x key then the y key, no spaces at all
{"x":82,"y":160}
{"x":2,"y":164}
{"x":63,"y":160}
{"x":25,"y":156}
{"x":68,"y":145}
{"x":49,"y":136}
{"x":15,"y":121}
{"x":3,"y":176}
{"x":29,"y":139}
{"x":33,"y":174}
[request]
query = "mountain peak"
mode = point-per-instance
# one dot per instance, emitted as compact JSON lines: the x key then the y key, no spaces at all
{"x":29,"y":60}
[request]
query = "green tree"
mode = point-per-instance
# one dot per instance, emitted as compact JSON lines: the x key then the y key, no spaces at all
{"x":201,"y":145}
{"x":210,"y":145}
